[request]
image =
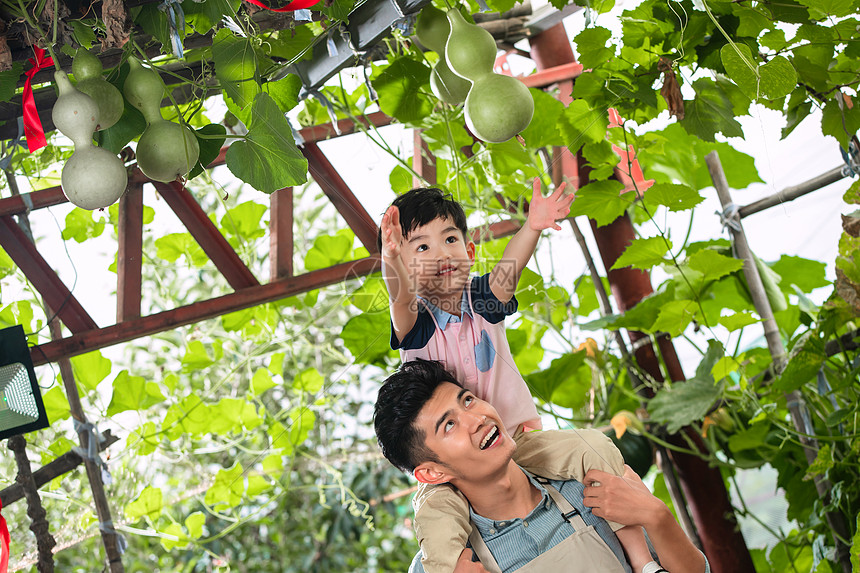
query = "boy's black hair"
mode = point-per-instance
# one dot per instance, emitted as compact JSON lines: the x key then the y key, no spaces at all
{"x":398,"y":403}
{"x":421,"y":205}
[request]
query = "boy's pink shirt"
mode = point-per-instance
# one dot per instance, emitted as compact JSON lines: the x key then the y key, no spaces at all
{"x":501,"y":385}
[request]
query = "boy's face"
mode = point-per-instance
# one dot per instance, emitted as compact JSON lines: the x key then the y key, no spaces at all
{"x":439,"y":258}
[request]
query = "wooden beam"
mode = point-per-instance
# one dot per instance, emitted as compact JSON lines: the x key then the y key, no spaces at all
{"x":339,"y":193}
{"x":25,"y":255}
{"x":203,"y":310}
{"x":423,"y":161}
{"x":207,"y":235}
{"x":281,"y":234}
{"x":129,"y":253}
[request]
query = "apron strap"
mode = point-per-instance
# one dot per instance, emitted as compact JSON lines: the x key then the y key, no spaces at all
{"x":568,"y":512}
{"x":482,"y":551}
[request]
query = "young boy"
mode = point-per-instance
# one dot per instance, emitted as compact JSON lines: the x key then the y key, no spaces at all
{"x":439,"y":313}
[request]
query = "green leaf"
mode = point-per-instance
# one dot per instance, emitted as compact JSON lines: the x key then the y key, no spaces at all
{"x":293,"y":44}
{"x":309,"y":380}
{"x":591,"y":45}
{"x":210,"y":138}
{"x":90,"y":369}
{"x":196,"y":357}
{"x":261,"y":381}
{"x":738,"y":320}
{"x":366,"y":337}
{"x":580,"y":124}
{"x":56,"y":404}
{"x":154,"y":22}
{"x":562,"y":372}
{"x":675,"y":316}
{"x":778,"y":78}
{"x":257,"y":484}
{"x":174,"y":245}
{"x":742,"y":68}
{"x":400,"y":179}
{"x":543,"y":130}
{"x":130,"y":126}
{"x":402,"y":88}
{"x":133,"y":393}
{"x":714,"y":265}
{"x":749,"y":439}
{"x":806,"y":274}
{"x":644,"y":253}
{"x":601,"y":201}
{"x":710,"y":112}
{"x":194,"y":524}
{"x":228,"y":488}
{"x":148,"y":504}
{"x":190,"y":416}
{"x":80,"y":225}
{"x":823,"y":462}
{"x":285,"y":92}
{"x":328,"y":250}
{"x":302,"y":422}
{"x":236,"y":67}
{"x":9,"y":81}
{"x":245,"y":221}
{"x":144,"y":439}
{"x":371,"y":296}
{"x":832,"y":121}
{"x":724,"y":367}
{"x":203,"y":16}
{"x":822,"y":8}
{"x":173,"y":530}
{"x":804,"y":364}
{"x":268,"y":159}
{"x":685,"y":402}
{"x":674,"y":197}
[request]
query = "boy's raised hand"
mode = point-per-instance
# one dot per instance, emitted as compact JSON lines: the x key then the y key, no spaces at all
{"x":392,"y":233}
{"x":545,"y":211}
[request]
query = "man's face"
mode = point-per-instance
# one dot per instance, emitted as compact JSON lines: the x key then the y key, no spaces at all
{"x":438,"y":258}
{"x":465,"y":433}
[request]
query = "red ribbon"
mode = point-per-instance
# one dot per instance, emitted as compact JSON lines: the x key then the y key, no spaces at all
{"x":32,"y":124}
{"x":4,"y":543}
{"x":294,"y":5}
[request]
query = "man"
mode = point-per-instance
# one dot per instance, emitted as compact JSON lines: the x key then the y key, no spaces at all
{"x":429,"y":425}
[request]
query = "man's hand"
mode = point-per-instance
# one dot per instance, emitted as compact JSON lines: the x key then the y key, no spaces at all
{"x":465,"y":563}
{"x":545,"y":211}
{"x":625,"y":500}
{"x":392,"y":233}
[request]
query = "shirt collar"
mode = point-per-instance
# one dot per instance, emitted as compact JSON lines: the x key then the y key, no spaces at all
{"x":443,"y":317}
{"x":489,"y":527}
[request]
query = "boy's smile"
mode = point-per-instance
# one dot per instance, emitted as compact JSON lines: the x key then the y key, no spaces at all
{"x":440,"y":259}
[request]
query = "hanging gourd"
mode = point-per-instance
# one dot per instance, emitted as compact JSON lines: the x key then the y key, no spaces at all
{"x":87,"y":70}
{"x":166,"y":150}
{"x":498,"y":107}
{"x":432,"y":31}
{"x":92,"y":178}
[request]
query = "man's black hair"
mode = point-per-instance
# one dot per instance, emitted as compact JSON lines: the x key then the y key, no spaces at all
{"x":398,"y":403}
{"x":421,"y":205}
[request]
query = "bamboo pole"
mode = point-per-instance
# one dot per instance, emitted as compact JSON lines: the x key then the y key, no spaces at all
{"x":796,"y":405}
{"x":793,"y":192}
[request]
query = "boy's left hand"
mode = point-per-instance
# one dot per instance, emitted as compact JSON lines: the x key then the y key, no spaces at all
{"x":545,"y":211}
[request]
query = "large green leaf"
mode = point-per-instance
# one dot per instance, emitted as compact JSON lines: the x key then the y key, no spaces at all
{"x":805,"y":362}
{"x":674,"y":197}
{"x":268,"y":158}
{"x":710,"y":112}
{"x":686,"y":402}
{"x":644,"y":253}
{"x":675,"y":316}
{"x":714,"y":265}
{"x":210,"y":138}
{"x":806,"y":274}
{"x":366,"y":337}
{"x":543,"y":130}
{"x":228,"y":489}
{"x":601,"y":201}
{"x":90,"y":369}
{"x":148,"y":504}
{"x":285,"y":91}
{"x":133,"y":393}
{"x":561,"y":381}
{"x":591,"y":45}
{"x":329,"y":250}
{"x":203,"y":16}
{"x":402,"y":88}
{"x":742,"y":68}
{"x":236,"y":67}
{"x":581,"y":125}
{"x":823,"y":8}
{"x":9,"y":81}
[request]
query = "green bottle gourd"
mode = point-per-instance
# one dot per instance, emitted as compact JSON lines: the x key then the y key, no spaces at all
{"x":87,"y":70}
{"x":498,"y":107}
{"x":432,"y":30}
{"x":166,"y":150}
{"x":92,"y":178}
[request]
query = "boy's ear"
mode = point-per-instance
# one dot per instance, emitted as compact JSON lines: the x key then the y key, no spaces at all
{"x":470,"y":250}
{"x":431,"y":473}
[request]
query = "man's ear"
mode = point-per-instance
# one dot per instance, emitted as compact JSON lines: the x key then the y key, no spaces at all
{"x":431,"y":473}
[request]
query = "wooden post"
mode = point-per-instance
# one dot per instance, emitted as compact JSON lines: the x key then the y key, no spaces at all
{"x":38,"y":523}
{"x":796,"y":405}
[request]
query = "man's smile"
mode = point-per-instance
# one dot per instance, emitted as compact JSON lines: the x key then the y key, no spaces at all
{"x":491,"y":437}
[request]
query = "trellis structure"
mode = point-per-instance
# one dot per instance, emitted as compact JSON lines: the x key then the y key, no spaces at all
{"x":703,"y":486}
